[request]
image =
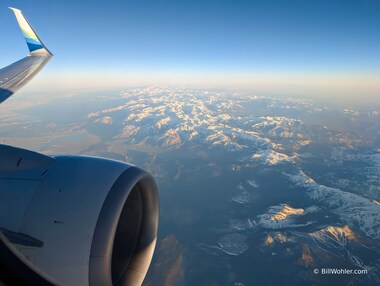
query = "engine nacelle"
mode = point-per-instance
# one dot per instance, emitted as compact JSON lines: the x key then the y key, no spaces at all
{"x":80,"y":220}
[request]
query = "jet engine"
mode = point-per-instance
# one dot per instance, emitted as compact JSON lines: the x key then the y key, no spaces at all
{"x":79,"y":220}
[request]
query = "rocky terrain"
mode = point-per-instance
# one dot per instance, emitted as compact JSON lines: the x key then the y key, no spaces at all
{"x":248,"y":183}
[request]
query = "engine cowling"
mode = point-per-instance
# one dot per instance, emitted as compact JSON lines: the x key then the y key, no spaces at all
{"x":80,"y":220}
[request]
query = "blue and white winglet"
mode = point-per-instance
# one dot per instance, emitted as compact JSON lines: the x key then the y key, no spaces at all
{"x":16,"y":75}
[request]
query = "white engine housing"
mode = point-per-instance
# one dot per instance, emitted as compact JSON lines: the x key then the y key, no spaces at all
{"x":80,"y":220}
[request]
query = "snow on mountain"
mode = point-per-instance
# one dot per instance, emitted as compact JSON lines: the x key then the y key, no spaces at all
{"x":282,"y":127}
{"x":128,"y":131}
{"x":351,"y":207}
{"x":339,"y":241}
{"x":162,"y":122}
{"x":276,"y":237}
{"x":169,"y":118}
{"x":281,"y":216}
{"x":334,"y":235}
{"x":176,"y":117}
{"x":104,"y":120}
{"x":109,"y":110}
{"x":270,"y":157}
{"x":170,"y":138}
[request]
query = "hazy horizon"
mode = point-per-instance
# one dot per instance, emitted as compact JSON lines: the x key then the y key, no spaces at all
{"x":301,"y":48}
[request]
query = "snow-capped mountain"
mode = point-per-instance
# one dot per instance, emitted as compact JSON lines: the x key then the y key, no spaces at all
{"x":290,"y":184}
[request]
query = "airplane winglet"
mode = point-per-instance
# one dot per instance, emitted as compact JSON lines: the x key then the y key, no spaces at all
{"x":34,"y":43}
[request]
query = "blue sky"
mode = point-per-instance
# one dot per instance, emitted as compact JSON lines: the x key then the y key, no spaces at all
{"x":299,"y":37}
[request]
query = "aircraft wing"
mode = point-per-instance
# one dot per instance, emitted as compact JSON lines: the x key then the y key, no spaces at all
{"x":16,"y":75}
{"x":67,"y":219}
{"x":14,"y":268}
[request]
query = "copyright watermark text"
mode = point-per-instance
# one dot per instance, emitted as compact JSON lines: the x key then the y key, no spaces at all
{"x":340,"y":271}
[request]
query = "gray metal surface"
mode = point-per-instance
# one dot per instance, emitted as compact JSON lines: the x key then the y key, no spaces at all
{"x":21,"y":173}
{"x":21,"y":239}
{"x":16,"y":75}
{"x":71,"y":219}
{"x":88,"y":220}
{"x":16,"y":270}
{"x":63,"y":214}
{"x":18,"y":159}
{"x":126,"y":231}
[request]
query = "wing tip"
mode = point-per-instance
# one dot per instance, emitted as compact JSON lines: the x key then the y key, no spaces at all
{"x":35,"y":45}
{"x":15,"y":9}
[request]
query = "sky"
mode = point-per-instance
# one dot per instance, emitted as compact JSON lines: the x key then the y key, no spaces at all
{"x":330,"y":47}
